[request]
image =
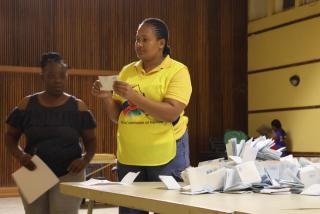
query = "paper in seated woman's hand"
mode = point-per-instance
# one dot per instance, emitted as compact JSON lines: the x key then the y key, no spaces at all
{"x":96,"y":90}
{"x":123,"y":89}
{"x":26,"y":161}
{"x":77,"y":165}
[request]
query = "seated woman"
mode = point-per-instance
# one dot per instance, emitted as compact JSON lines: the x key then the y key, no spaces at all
{"x":279,"y":136}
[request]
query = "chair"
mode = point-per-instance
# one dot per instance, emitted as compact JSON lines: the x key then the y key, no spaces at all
{"x":104,"y":159}
{"x":239,"y":135}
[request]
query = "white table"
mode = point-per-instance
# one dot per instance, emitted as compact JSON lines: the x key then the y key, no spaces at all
{"x":152,"y":196}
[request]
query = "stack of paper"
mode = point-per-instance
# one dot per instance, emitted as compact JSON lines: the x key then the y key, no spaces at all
{"x":205,"y":178}
{"x":268,"y":177}
{"x":209,"y":178}
{"x":269,"y":154}
{"x":259,"y":148}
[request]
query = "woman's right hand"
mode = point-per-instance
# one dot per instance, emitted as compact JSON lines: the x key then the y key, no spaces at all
{"x":26,"y":161}
{"x":96,"y":90}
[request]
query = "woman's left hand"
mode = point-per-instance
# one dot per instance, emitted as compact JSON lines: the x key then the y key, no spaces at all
{"x":77,"y":165}
{"x":123,"y":89}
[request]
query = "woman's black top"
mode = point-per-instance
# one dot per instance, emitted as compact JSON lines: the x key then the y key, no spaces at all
{"x":53,"y":133}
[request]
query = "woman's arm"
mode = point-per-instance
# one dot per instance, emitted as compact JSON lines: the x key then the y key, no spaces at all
{"x":12,"y":137}
{"x":90,"y":142}
{"x":168,"y":110}
{"x":112,"y":107}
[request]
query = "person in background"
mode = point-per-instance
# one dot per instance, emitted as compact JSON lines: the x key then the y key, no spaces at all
{"x":53,"y":123}
{"x":279,"y":136}
{"x":265,"y":130}
{"x":148,"y":105}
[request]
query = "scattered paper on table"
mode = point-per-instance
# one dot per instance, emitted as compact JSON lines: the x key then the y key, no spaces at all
{"x":169,"y":182}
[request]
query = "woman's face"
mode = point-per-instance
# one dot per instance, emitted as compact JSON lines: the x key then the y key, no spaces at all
{"x":54,"y":76}
{"x":147,"y":45}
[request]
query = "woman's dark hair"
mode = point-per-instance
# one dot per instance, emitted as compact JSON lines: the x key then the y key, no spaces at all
{"x":276,"y":123}
{"x":161,"y":31}
{"x":51,"y":57}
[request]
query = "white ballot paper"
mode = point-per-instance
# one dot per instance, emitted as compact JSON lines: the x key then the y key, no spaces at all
{"x":314,"y":189}
{"x":197,"y":178}
{"x":32,"y":184}
{"x":309,"y":175}
{"x":107,"y":82}
{"x":248,"y":173}
{"x":280,"y":191}
{"x":233,"y":181}
{"x":169,"y":182}
{"x":126,"y":180}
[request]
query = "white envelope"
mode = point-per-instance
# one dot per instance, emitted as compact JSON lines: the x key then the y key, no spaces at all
{"x":107,"y":82}
{"x":169,"y":182}
{"x":309,"y":175}
{"x":216,"y":179}
{"x":233,"y":181}
{"x":314,"y":189}
{"x":273,"y":170}
{"x":249,"y":153}
{"x":197,"y":178}
{"x":248,"y":173}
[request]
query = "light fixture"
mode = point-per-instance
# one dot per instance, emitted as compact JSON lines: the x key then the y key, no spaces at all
{"x":294,"y":80}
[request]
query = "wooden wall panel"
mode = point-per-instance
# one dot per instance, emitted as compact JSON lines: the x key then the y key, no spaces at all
{"x":272,"y":90}
{"x":227,"y":68}
{"x":210,"y":37}
{"x":301,"y":126}
{"x":284,"y":46}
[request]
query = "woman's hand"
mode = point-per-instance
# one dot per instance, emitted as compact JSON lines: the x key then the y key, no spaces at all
{"x":96,"y":90}
{"x":26,"y":161}
{"x":77,"y":165}
{"x":112,"y":107}
{"x":123,"y":89}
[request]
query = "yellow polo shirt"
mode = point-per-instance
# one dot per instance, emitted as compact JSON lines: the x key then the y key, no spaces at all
{"x":141,"y":139}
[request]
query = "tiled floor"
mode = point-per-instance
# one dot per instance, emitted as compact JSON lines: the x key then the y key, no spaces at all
{"x":14,"y":206}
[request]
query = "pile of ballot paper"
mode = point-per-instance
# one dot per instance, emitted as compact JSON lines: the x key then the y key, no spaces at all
{"x":259,"y":148}
{"x":243,"y":173}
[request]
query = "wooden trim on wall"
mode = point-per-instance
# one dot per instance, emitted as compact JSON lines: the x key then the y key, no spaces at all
{"x":283,"y":66}
{"x":78,"y":72}
{"x":283,"y":25}
{"x":8,"y":192}
{"x":306,"y":154}
{"x":283,"y":109}
{"x":281,"y":19}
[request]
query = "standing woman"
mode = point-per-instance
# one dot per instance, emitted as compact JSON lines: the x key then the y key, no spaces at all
{"x":53,"y":122}
{"x":148,"y":105}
